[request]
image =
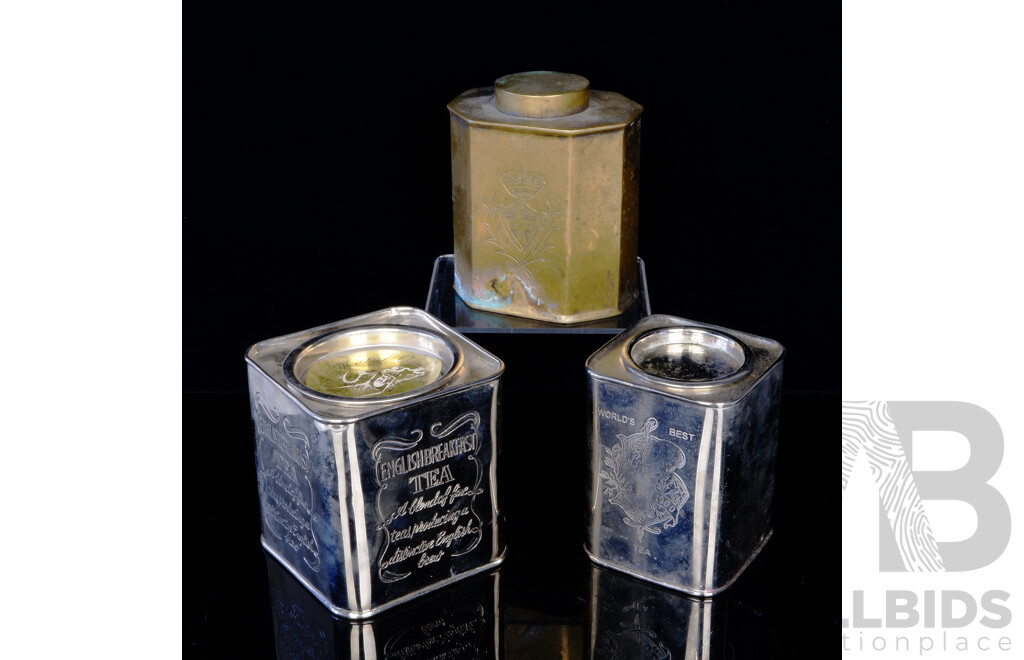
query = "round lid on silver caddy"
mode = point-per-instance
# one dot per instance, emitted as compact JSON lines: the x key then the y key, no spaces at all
{"x":688,"y":359}
{"x":359,"y":366}
{"x":372,"y":364}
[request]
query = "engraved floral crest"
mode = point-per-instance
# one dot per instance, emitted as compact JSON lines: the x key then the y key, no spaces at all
{"x":641,"y":480}
{"x":519,"y":229}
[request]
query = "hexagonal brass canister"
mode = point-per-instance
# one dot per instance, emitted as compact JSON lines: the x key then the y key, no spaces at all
{"x":545,"y":194}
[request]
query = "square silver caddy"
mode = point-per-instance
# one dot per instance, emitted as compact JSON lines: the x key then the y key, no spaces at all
{"x":376,"y":454}
{"x":682,"y":443}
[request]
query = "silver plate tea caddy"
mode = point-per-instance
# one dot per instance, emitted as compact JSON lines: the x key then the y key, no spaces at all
{"x":681,"y":452}
{"x":376,"y":454}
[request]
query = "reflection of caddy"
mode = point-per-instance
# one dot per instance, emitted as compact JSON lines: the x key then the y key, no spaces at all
{"x":372,"y":499}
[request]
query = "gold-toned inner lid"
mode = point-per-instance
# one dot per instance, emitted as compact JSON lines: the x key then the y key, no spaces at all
{"x":542,"y":94}
{"x":373,"y":362}
{"x":374,"y":372}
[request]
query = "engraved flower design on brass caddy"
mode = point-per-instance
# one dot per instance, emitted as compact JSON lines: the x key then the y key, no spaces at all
{"x":519,"y":231}
{"x":641,"y":480}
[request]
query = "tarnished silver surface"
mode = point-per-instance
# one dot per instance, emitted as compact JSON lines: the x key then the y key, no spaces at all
{"x":381,"y":485}
{"x":682,"y":444}
{"x":460,"y":622}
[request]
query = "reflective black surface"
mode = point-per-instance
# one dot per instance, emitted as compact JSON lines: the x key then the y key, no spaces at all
{"x":318,"y":187}
{"x":463,"y":621}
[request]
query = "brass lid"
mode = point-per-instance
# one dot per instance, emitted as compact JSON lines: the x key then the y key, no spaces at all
{"x":542,"y":94}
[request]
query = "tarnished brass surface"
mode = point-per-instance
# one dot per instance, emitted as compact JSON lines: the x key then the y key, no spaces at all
{"x":545,"y":208}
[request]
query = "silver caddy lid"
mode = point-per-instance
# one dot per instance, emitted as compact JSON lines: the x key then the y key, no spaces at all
{"x":367,"y":364}
{"x":692,"y":361}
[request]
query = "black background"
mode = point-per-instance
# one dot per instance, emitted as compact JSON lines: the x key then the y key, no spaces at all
{"x":318,"y":187}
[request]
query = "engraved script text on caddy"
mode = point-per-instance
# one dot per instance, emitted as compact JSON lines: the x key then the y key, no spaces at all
{"x":426,"y":495}
{"x":282,"y":452}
